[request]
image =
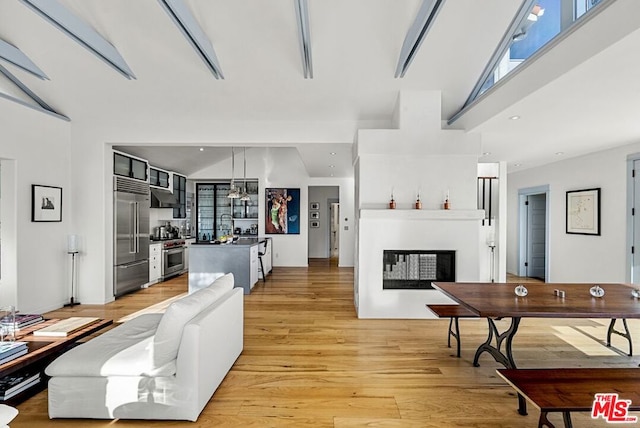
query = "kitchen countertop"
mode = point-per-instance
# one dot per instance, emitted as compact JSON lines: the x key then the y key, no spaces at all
{"x":242,"y":242}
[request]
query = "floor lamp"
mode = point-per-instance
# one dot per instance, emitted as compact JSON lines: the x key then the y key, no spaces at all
{"x":72,"y":248}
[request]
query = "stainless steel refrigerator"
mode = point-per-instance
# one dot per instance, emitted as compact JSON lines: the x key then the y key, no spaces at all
{"x":131,"y":235}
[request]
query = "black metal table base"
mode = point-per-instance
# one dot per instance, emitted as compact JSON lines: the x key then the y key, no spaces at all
{"x":626,"y":334}
{"x":543,"y":421}
{"x":506,"y":358}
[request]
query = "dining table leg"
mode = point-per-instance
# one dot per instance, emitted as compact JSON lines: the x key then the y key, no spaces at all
{"x":505,"y":358}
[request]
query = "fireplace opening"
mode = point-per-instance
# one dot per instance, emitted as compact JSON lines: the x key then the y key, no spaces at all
{"x":416,"y":269}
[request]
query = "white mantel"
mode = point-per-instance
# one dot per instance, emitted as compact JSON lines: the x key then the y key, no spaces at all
{"x":397,"y":214}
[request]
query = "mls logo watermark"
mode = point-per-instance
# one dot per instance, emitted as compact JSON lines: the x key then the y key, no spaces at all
{"x":611,"y":409}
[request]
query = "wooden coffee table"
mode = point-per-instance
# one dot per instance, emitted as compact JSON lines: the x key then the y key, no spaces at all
{"x":41,"y":351}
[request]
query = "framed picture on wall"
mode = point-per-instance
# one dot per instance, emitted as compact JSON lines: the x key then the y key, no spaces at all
{"x":583,"y":211}
{"x":46,"y":203}
{"x":314,"y":215}
{"x":282,"y":214}
{"x":314,"y":206}
{"x":314,"y":223}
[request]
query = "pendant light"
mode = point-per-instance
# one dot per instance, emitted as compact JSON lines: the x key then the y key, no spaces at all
{"x":233,"y":191}
{"x":245,"y":196}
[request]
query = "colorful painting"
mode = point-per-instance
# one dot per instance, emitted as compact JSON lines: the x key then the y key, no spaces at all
{"x":283,"y":211}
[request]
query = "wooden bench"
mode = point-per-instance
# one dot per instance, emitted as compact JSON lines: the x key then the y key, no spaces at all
{"x":453,"y":312}
{"x":572,"y":390}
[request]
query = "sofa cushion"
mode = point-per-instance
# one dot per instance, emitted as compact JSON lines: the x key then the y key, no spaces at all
{"x":169,"y":333}
{"x":122,"y":351}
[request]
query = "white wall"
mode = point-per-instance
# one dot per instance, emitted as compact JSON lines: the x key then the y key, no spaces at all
{"x":579,"y":258}
{"x":319,"y":236}
{"x":34,"y":149}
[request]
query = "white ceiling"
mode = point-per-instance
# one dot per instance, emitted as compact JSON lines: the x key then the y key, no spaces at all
{"x":582,"y":101}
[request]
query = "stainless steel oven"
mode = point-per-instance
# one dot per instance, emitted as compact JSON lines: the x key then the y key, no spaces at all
{"x":173,"y":258}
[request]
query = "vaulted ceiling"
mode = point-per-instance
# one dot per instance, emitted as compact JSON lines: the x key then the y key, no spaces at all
{"x":580,"y":97}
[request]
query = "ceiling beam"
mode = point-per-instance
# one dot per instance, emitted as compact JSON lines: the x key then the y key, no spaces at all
{"x":16,"y":57}
{"x":304,"y":36}
{"x":40,"y":104}
{"x":415,"y":35}
{"x":188,"y":25}
{"x":78,"y":30}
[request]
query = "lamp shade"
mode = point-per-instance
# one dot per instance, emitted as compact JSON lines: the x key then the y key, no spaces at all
{"x":72,"y":244}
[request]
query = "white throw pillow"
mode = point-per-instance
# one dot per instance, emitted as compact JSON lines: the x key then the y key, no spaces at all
{"x":169,"y":333}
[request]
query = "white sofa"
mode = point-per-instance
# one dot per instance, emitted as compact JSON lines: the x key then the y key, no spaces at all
{"x":155,"y":366}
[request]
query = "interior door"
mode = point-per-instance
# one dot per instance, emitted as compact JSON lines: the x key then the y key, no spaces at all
{"x":635,"y":256}
{"x":334,"y":236}
{"x":536,"y":236}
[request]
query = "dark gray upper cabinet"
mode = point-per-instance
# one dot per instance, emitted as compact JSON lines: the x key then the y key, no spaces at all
{"x":127,"y":166}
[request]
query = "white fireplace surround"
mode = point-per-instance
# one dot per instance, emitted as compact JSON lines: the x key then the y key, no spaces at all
{"x":384,"y":229}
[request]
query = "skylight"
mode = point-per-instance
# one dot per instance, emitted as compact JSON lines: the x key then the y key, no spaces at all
{"x":536,"y":23}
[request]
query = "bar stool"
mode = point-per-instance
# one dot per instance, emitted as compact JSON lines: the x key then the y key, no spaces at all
{"x":260,"y":254}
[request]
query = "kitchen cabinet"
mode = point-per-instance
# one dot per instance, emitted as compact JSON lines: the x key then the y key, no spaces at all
{"x":187,"y":244}
{"x":131,"y":167}
{"x":180,"y":192}
{"x":245,"y":213}
{"x":247,"y":209}
{"x":254,"y":265}
{"x":213,"y":211}
{"x":159,"y":178}
{"x":208,"y":261}
{"x":155,"y":263}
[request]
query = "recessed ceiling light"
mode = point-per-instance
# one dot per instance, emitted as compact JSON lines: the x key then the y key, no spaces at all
{"x":202,"y":149}
{"x":332,"y":166}
{"x":332,"y":153}
{"x":515,"y":117}
{"x":559,"y":153}
{"x":517,"y":164}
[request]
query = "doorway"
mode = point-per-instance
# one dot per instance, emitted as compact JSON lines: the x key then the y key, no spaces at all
{"x":533,"y":246}
{"x":633,"y":220}
{"x":324,"y":215}
{"x":334,"y":230}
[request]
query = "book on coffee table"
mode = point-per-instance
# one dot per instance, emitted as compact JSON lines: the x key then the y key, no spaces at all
{"x":65,"y":327}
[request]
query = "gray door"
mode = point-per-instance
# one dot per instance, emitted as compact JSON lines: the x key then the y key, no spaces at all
{"x":635,"y":256}
{"x":536,"y":235}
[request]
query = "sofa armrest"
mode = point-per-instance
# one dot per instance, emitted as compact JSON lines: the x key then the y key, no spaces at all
{"x":211,"y":343}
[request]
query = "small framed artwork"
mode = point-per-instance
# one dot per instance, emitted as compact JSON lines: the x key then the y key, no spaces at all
{"x":314,"y":206}
{"x":583,"y":211}
{"x":46,"y":203}
{"x":314,"y":215}
{"x":315,"y":223}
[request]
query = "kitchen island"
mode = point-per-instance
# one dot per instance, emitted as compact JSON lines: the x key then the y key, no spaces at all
{"x":208,"y":261}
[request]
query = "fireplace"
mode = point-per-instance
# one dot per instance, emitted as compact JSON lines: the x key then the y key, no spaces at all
{"x":416,"y":269}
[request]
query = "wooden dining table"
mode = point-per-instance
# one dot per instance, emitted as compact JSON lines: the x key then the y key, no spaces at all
{"x":543,"y":300}
{"x":499,"y":300}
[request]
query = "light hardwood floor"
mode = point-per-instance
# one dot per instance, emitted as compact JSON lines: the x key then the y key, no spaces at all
{"x":309,"y":361}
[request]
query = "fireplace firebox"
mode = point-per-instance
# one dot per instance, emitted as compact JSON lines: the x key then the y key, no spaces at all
{"x":416,"y":269}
